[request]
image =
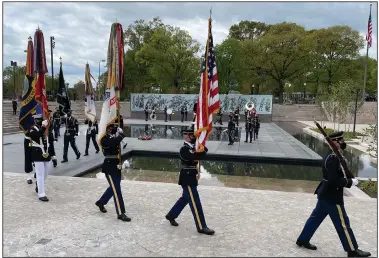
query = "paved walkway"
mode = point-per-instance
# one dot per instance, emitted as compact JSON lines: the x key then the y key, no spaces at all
{"x":273,"y":145}
{"x":247,"y":222}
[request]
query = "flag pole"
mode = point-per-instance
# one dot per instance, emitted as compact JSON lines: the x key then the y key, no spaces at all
{"x":366,"y":61}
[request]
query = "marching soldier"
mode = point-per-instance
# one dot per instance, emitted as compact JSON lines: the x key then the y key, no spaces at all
{"x":256,"y":125}
{"x":92,"y":131}
{"x":57,"y":123}
{"x":72,"y":130}
{"x":165,"y":113}
{"x":185,"y":112}
{"x":249,"y":128}
{"x":110,"y":144}
{"x":51,"y":140}
{"x":39,"y":154}
{"x":188,"y":179}
{"x":146,"y":112}
{"x":330,"y":202}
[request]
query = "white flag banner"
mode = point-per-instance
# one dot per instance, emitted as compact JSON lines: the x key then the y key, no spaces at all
{"x":108,"y":112}
{"x":89,"y":107}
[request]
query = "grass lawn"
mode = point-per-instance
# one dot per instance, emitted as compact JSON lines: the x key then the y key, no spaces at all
{"x":369,"y":187}
{"x":346,"y":136}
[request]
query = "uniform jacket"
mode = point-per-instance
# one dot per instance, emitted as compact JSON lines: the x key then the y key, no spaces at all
{"x":182,"y":110}
{"x":72,"y":125}
{"x":256,"y":122}
{"x":189,"y":158}
{"x":92,"y":129}
{"x":195,"y":107}
{"x":331,"y":187}
{"x":231,"y":124}
{"x":56,"y":118}
{"x":37,"y":134}
{"x":111,"y":145}
{"x":249,"y":123}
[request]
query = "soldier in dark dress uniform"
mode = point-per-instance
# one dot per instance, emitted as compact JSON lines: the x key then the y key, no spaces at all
{"x":231,"y":128}
{"x":57,"y":123}
{"x":256,"y":125}
{"x":51,"y":140}
{"x":110,"y":144}
{"x":236,"y":115}
{"x":219,"y":117}
{"x":92,"y":131}
{"x":188,"y":179}
{"x":146,"y":112}
{"x":330,"y":202}
{"x":165,"y":114}
{"x":182,"y":113}
{"x":249,"y":128}
{"x":39,"y":154}
{"x":185,"y":112}
{"x":72,"y":130}
{"x":194,"y":112}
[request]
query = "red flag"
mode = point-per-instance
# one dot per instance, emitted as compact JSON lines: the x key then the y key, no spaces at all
{"x":209,"y":100}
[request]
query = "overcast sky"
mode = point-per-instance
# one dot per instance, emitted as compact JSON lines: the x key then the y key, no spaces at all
{"x":81,"y":30}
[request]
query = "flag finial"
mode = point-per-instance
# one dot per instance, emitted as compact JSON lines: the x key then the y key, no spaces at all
{"x":60,"y":59}
{"x":210,"y":13}
{"x":30,"y":38}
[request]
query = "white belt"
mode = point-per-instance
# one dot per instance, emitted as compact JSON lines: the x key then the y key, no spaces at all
{"x":28,"y":138}
{"x":44,"y":154}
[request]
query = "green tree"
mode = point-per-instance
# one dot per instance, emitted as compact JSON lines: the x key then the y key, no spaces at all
{"x":331,"y":47}
{"x":171,"y":57}
{"x":281,"y":54}
{"x":80,"y":89}
{"x":9,"y":80}
{"x":248,"y":30}
{"x":229,"y":65}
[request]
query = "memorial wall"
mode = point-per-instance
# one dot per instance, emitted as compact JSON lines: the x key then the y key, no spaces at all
{"x":263,"y":103}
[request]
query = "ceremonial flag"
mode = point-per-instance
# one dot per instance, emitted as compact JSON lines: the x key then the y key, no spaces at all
{"x":209,"y":101}
{"x":40,"y":69}
{"x":62,"y":96}
{"x":89,"y":109}
{"x":369,"y":31}
{"x":28,"y":102}
{"x":115,"y":63}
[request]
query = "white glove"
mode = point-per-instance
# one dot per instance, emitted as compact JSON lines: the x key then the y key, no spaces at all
{"x":45,"y":123}
{"x":355,"y":181}
{"x":119,"y":130}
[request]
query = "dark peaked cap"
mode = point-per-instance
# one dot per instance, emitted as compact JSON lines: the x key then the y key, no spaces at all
{"x":336,"y":136}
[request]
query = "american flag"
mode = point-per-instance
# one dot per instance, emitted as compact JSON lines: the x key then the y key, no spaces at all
{"x":209,"y":100}
{"x":369,"y":31}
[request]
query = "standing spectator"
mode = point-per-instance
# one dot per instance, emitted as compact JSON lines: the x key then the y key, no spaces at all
{"x":14,"y":104}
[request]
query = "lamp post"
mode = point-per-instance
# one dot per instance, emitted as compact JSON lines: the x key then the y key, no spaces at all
{"x":355,"y":109}
{"x":252,"y":89}
{"x":52,"y":46}
{"x":14,"y":64}
{"x":99,"y":75}
{"x":305,"y":84}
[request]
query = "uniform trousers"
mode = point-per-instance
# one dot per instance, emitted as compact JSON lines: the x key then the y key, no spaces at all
{"x":340,"y":220}
{"x":56,"y":130}
{"x":27,"y":154}
{"x":114,"y":190}
{"x":69,"y":139}
{"x":256,"y":131}
{"x":190,"y":195}
{"x":88,"y":137}
{"x":41,"y":175}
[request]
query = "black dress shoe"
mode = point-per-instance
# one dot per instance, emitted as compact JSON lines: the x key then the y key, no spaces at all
{"x":358,"y":253}
{"x":230,"y":143}
{"x":306,"y":245}
{"x":44,"y":199}
{"x":65,"y":160}
{"x":246,"y":141}
{"x":78,"y":157}
{"x":123,"y":217}
{"x":172,"y":221}
{"x":86,"y":154}
{"x":30,"y":182}
{"x":206,"y":231}
{"x":101,"y":207}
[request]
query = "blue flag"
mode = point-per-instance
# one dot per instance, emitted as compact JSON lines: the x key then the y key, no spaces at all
{"x":28,"y":105}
